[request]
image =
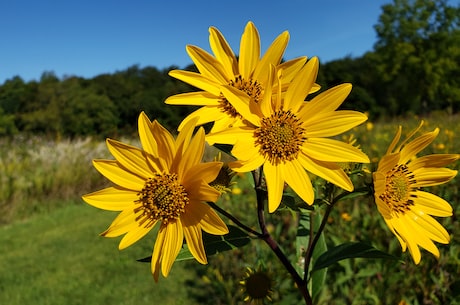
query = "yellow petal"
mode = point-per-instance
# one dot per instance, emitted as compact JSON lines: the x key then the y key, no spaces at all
{"x":290,"y":68}
{"x":223,"y":52}
{"x":111,"y":170}
{"x":433,"y":176}
{"x":133,"y":236}
{"x":230,"y":135}
{"x":204,"y":115}
{"x":387,"y":163}
{"x":213,"y":224}
{"x":249,"y":51}
{"x":332,"y":123}
{"x":431,"y":228}
{"x":208,"y":66}
{"x":327,"y":101}
{"x":174,"y":237}
{"x":199,"y":98}
{"x":275,"y":184}
{"x":145,"y":135}
{"x":301,"y":86}
{"x":192,"y":154}
{"x":111,"y":198}
{"x":432,"y":204}
{"x":333,"y":151}
{"x":131,"y":158}
{"x":194,"y":239}
{"x":272,"y":56}
{"x":329,"y":171}
{"x":165,"y":142}
{"x":405,"y":233}
{"x":124,"y":222}
{"x":200,"y":191}
{"x":243,"y":104}
{"x":298,"y":180}
{"x":197,"y":80}
{"x":158,"y":252}
{"x":418,"y":144}
{"x":206,"y":172}
{"x":434,"y":160}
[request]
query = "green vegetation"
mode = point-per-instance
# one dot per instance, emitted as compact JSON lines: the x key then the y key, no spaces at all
{"x":59,"y":258}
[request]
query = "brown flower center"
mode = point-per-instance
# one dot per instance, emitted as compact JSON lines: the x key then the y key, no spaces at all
{"x":399,"y":190}
{"x":280,"y":137}
{"x":162,"y":198}
{"x":250,"y":87}
{"x":258,"y":286}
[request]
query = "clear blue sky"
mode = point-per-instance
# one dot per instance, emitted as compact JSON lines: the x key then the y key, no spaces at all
{"x":87,"y":38}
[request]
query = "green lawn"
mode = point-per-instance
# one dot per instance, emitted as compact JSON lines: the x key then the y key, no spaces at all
{"x":59,"y":258}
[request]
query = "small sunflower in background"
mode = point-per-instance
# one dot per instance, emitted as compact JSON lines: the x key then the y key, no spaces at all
{"x":257,"y":286}
{"x":223,"y":181}
{"x":406,"y":209}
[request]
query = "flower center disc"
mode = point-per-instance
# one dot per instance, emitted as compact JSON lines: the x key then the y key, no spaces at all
{"x":250,"y":87}
{"x":398,"y":189}
{"x":162,"y":198}
{"x":279,"y":137}
{"x":258,"y":286}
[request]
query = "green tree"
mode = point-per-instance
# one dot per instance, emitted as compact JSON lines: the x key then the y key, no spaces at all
{"x":418,"y":56}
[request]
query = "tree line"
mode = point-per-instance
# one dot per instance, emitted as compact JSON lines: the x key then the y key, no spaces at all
{"x":413,"y":68}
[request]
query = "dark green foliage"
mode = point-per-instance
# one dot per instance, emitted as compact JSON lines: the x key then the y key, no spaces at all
{"x":106,"y":105}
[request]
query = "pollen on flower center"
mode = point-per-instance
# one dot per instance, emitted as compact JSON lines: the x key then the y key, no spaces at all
{"x":279,"y":137}
{"x":399,"y":191}
{"x":250,"y":87}
{"x":162,"y":198}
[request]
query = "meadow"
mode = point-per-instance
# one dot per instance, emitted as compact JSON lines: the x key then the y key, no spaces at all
{"x":52,"y":253}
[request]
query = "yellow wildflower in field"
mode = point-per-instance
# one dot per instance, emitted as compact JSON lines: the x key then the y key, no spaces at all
{"x":247,"y":73}
{"x":287,"y":135}
{"x":164,"y":183}
{"x":405,"y":208}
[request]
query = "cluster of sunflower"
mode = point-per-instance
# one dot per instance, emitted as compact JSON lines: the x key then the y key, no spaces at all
{"x":259,"y":106}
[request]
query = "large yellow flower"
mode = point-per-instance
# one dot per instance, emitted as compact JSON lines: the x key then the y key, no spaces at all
{"x":248,"y":73}
{"x":405,"y":208}
{"x":287,"y":135}
{"x":165,"y":183}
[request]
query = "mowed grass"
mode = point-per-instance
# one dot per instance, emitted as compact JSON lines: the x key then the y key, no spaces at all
{"x":59,"y":258}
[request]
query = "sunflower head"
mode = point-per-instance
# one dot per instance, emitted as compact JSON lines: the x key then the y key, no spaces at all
{"x":257,"y":286}
{"x":400,"y":199}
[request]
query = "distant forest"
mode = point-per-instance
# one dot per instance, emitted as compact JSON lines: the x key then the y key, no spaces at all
{"x":413,"y":68}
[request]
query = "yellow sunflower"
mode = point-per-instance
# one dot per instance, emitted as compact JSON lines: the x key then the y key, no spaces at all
{"x":287,"y":135}
{"x":165,"y":183}
{"x":248,"y":73}
{"x":405,"y":208}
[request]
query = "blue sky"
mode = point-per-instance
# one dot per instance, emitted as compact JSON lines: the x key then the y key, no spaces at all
{"x":87,"y":38}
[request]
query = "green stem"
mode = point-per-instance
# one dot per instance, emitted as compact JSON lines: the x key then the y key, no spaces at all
{"x":235,"y":220}
{"x":301,"y":284}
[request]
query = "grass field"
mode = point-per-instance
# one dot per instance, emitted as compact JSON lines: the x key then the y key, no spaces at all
{"x":51,"y":251}
{"x":58,"y":258}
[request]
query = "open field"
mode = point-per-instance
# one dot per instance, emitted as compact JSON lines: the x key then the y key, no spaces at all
{"x":51,"y":252}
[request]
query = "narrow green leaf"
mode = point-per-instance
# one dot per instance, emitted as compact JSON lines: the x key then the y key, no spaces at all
{"x":349,"y":250}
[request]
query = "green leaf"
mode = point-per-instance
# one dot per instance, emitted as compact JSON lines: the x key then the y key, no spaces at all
{"x":349,"y":250}
{"x":354,"y":194}
{"x":214,"y":244}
